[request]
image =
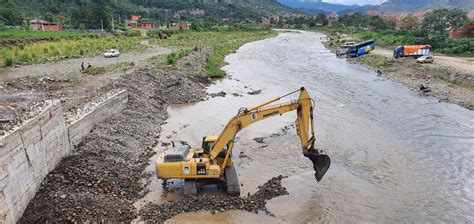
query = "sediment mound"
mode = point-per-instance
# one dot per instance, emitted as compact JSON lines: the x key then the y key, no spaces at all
{"x":252,"y":203}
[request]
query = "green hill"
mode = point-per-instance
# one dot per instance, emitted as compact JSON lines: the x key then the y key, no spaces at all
{"x":13,"y":12}
{"x":419,"y":5}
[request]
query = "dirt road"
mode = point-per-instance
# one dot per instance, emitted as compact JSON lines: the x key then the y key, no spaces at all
{"x":457,"y":63}
{"x":71,"y":66}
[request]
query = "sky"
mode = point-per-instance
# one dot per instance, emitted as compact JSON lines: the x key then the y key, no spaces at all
{"x":356,"y":2}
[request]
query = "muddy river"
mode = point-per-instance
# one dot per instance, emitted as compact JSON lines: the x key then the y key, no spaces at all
{"x":397,"y":156}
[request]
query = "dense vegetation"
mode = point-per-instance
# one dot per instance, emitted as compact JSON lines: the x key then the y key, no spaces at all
{"x":92,"y":14}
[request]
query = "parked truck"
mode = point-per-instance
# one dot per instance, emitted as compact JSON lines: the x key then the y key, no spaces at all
{"x":361,"y":48}
{"x":415,"y":51}
{"x":356,"y":49}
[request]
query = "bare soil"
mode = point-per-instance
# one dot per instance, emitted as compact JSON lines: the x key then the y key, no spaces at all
{"x":443,"y":82}
{"x":461,"y":64}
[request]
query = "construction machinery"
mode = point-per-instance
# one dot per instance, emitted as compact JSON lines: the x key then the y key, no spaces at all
{"x":212,"y":163}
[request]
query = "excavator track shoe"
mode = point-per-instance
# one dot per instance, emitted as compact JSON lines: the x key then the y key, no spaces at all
{"x":321,"y":162}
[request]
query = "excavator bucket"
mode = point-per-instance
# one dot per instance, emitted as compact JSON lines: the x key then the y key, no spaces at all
{"x":321,"y":162}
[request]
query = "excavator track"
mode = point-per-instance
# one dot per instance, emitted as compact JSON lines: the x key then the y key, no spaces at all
{"x":190,"y":187}
{"x":232,"y":181}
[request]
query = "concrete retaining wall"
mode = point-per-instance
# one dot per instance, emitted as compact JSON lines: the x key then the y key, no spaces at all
{"x":83,"y":126}
{"x":28,"y":154}
{"x":26,"y":157}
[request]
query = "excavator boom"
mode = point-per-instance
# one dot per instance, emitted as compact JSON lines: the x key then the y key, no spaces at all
{"x":304,"y":126}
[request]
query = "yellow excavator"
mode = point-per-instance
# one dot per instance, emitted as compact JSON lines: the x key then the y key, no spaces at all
{"x":213,"y":162}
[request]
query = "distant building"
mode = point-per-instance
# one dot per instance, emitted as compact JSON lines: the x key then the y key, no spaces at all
{"x":463,"y":32}
{"x":419,"y":15}
{"x":265,"y":21}
{"x":332,"y":17}
{"x":470,"y":14}
{"x":136,"y":18}
{"x":38,"y":24}
{"x":374,"y":13}
{"x":147,"y":25}
{"x":395,"y":17}
{"x":179,"y":26}
{"x":136,"y":22}
{"x":274,"y":18}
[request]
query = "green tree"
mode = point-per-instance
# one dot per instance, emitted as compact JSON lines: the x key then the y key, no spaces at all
{"x":92,"y":16}
{"x":25,"y":25}
{"x":440,"y":20}
{"x":410,"y":22}
{"x":377,"y":23}
{"x":2,"y":26}
{"x":321,"y":19}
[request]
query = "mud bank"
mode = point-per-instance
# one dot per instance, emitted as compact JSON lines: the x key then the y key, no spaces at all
{"x":444,"y":83}
{"x":101,"y":179}
{"x":252,"y":203}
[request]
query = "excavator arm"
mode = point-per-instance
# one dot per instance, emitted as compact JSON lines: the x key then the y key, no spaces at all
{"x":304,"y":127}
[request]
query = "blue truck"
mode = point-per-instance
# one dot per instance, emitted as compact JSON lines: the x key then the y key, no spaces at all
{"x":356,"y":49}
{"x":361,"y":48}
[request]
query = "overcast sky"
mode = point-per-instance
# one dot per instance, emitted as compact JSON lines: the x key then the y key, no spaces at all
{"x":356,"y":2}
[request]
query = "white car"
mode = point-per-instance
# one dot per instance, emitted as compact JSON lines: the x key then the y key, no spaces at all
{"x":425,"y":59}
{"x":112,"y":53}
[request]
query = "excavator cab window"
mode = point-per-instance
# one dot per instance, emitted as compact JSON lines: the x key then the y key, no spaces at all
{"x":206,"y":146}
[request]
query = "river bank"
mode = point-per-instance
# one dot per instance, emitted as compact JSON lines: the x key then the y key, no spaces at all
{"x":449,"y":82}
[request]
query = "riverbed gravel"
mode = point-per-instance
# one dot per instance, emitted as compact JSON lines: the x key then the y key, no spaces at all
{"x":252,"y":203}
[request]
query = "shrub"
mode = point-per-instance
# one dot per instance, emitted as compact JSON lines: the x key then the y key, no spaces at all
{"x":8,"y":62}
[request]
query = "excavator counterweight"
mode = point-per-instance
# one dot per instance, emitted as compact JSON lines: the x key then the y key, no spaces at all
{"x":213,"y":161}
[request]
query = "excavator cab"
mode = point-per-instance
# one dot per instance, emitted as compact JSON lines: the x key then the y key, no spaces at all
{"x":207,"y":143}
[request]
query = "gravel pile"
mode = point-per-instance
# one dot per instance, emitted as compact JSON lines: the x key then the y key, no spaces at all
{"x":79,"y":111}
{"x":12,"y":116}
{"x":252,"y":203}
{"x":102,"y":178}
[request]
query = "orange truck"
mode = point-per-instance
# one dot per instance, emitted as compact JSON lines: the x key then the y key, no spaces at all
{"x":411,"y":51}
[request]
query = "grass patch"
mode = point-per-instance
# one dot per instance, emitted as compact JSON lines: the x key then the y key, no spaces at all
{"x":221,"y":42}
{"x":376,"y":61}
{"x":173,"y":58}
{"x":96,"y":71}
{"x":41,"y":52}
{"x":454,"y":83}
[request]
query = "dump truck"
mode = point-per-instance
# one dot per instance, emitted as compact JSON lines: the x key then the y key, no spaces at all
{"x":415,"y":51}
{"x":212,"y":163}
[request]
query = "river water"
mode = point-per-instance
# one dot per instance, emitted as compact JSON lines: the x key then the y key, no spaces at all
{"x":396,"y":156}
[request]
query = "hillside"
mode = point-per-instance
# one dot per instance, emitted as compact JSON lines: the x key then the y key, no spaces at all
{"x":317,"y":6}
{"x":418,"y":5}
{"x":12,"y":12}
